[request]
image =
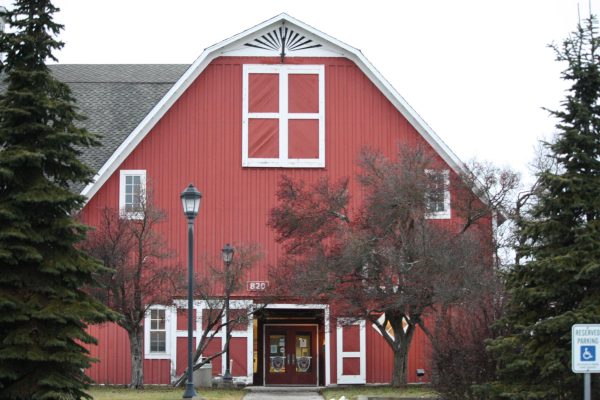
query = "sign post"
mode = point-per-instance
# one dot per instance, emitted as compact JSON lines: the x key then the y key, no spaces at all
{"x":585,"y":354}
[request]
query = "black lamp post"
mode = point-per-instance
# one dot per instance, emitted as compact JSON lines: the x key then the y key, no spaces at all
{"x":190,"y":200}
{"x":227,"y":253}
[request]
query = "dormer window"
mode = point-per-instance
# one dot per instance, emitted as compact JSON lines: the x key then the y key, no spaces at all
{"x":437,"y":196}
{"x":132,"y":193}
{"x":283,"y":116}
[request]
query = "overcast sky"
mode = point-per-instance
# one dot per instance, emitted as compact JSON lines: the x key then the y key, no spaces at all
{"x":477,"y":71}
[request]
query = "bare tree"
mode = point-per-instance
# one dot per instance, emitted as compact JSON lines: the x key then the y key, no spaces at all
{"x":214,"y":289}
{"x":460,"y":362}
{"x":135,"y":256}
{"x":389,"y":261}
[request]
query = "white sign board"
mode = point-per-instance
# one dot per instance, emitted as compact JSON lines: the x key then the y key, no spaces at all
{"x":585,"y":348}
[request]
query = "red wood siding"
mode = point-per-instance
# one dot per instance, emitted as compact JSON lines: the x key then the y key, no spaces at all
{"x":182,"y":354}
{"x":350,"y":366}
{"x":199,"y":140}
{"x":351,"y":338}
{"x":214,"y":347}
{"x":380,"y":359}
{"x":333,"y":352}
{"x":182,"y":320}
{"x":113,"y":352}
{"x":238,"y":356}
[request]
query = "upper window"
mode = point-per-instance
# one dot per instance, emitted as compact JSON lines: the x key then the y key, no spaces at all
{"x":283,"y":116}
{"x":437,"y":197}
{"x":132,"y":193}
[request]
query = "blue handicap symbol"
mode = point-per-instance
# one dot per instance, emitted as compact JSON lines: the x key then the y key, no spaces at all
{"x":587,"y":353}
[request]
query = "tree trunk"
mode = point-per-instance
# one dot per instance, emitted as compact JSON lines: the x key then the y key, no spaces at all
{"x":400,"y":364}
{"x":137,"y":358}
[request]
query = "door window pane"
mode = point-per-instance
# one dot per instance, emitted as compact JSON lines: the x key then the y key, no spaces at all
{"x":303,"y":352}
{"x":277,"y":353}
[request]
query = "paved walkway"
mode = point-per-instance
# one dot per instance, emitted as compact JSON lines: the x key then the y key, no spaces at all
{"x":267,"y":393}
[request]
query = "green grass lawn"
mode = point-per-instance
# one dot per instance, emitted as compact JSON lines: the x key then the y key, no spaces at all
{"x":161,"y":393}
{"x":169,"y":393}
{"x":352,"y":392}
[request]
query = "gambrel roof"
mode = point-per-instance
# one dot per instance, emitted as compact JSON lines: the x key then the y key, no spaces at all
{"x":281,"y":34}
{"x":115,"y":99}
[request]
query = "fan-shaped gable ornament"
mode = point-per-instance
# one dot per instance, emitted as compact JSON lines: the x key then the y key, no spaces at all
{"x":283,"y":40}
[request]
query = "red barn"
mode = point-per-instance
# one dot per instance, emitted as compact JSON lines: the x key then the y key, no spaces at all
{"x":281,"y":97}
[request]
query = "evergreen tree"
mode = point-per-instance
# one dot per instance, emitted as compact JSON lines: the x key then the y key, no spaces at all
{"x":556,"y":282}
{"x":44,"y":310}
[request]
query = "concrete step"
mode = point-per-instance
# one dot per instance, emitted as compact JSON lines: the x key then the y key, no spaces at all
{"x":283,"y":389}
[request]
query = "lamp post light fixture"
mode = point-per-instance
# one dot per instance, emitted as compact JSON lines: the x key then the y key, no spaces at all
{"x":227,"y":254}
{"x":190,"y":200}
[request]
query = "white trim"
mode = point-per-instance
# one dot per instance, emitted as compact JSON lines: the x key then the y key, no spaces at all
{"x":170,"y":326}
{"x":283,"y":116}
{"x":240,"y":49}
{"x":327,"y":348}
{"x":361,"y":378}
{"x":223,"y":332}
{"x":250,"y":349}
{"x":220,"y":49}
{"x":446,"y":213}
{"x":297,"y":306}
{"x":123,"y":175}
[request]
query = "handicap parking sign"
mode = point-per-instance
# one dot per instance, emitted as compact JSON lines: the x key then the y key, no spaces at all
{"x":587,"y":353}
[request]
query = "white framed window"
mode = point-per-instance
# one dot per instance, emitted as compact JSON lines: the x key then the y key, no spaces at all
{"x":132,"y":193}
{"x":159,"y":332}
{"x":283,"y":116}
{"x":437,"y":195}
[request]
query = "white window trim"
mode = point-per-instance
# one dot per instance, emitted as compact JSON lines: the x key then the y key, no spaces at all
{"x":283,"y":116}
{"x":361,"y":378}
{"x":131,"y":172}
{"x":446,"y":213}
{"x":170,"y":325}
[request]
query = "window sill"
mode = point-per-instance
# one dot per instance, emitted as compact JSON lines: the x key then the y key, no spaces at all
{"x":438,"y":215}
{"x":131,"y":215}
{"x":274,"y":163}
{"x":157,"y":356}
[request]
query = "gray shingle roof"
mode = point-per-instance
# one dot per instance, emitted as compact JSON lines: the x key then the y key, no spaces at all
{"x":113,"y":73}
{"x":115,"y":98}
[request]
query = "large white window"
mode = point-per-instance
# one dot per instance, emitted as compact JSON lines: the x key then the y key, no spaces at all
{"x":283,"y":116}
{"x":132,"y":193}
{"x":437,"y":196}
